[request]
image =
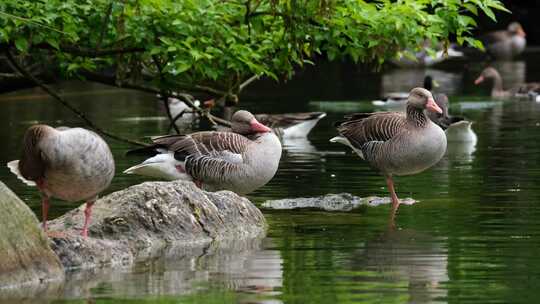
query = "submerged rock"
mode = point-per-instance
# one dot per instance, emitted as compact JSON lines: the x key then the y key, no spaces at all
{"x":332,"y":202}
{"x":25,"y":255}
{"x":142,"y":220}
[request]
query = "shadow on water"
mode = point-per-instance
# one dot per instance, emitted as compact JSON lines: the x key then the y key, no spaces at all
{"x":473,"y":237}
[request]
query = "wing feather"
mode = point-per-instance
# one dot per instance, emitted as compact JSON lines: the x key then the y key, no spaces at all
{"x":362,"y":128}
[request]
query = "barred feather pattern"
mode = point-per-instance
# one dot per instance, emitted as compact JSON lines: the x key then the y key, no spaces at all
{"x":367,"y":127}
{"x":208,"y":156}
{"x":416,"y":116}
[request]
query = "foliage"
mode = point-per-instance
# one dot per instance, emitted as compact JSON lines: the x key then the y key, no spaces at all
{"x":214,"y":46}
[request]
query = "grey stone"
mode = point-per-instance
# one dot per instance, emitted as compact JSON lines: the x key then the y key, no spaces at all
{"x":342,"y":202}
{"x":25,"y":255}
{"x":139,"y":222}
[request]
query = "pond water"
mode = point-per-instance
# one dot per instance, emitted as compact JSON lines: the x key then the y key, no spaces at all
{"x":474,"y":237}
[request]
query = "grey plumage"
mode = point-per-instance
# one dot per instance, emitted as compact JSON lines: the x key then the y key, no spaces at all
{"x":240,"y":161}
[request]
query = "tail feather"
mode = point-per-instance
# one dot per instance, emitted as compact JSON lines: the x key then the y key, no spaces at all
{"x":14,"y":168}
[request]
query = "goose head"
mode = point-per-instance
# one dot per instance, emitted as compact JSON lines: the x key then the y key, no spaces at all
{"x":516,"y":29}
{"x":421,"y":99}
{"x":245,"y":123}
{"x":487,"y":73}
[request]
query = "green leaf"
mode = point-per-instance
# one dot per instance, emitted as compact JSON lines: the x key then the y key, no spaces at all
{"x":21,"y":44}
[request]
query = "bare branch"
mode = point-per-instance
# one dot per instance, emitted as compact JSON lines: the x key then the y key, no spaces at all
{"x":247,"y":82}
{"x":52,"y":93}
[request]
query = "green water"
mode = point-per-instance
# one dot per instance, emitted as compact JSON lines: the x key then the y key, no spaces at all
{"x":474,"y":237}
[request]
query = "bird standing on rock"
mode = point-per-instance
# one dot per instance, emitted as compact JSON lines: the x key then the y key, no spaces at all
{"x":241,"y":161}
{"x":71,"y":164}
{"x":395,"y":143}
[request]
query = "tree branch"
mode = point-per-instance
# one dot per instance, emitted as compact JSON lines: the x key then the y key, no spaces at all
{"x":80,"y":114}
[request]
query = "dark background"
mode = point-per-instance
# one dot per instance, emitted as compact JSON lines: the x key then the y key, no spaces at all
{"x":525,"y":12}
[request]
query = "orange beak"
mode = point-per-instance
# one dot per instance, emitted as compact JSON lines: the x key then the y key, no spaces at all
{"x":521,"y":32}
{"x":258,"y":127}
{"x":479,"y":80}
{"x":432,"y":106}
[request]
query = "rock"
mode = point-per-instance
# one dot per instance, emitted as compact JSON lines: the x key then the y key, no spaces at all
{"x":25,"y":255}
{"x":140,"y":221}
{"x":331,"y":202}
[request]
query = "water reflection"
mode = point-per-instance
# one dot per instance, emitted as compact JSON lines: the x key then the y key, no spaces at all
{"x":412,"y":259}
{"x":403,"y":80}
{"x":241,"y":265}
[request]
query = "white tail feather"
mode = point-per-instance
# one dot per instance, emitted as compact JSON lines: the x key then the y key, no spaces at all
{"x":14,"y":168}
{"x":158,"y":170}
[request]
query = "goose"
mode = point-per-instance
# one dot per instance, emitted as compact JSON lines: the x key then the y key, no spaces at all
{"x":241,"y":161}
{"x":505,"y":44}
{"x":285,"y":125}
{"x":291,"y":125}
{"x":70,"y":164}
{"x":497,"y":90}
{"x":457,"y":128}
{"x":396,"y":143}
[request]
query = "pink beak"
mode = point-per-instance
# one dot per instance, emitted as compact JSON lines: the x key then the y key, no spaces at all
{"x":432,"y":106}
{"x":521,"y":33}
{"x":479,"y":80}
{"x":259,"y":127}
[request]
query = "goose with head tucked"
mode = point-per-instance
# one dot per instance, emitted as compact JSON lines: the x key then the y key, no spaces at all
{"x":395,"y":143}
{"x":497,"y":89}
{"x":71,"y":164}
{"x":241,"y":161}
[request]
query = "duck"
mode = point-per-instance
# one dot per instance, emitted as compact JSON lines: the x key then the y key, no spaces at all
{"x":456,"y":128}
{"x":71,"y":164}
{"x":395,"y":143}
{"x":291,"y":125}
{"x":505,"y":44}
{"x":497,"y":89}
{"x":240,"y":161}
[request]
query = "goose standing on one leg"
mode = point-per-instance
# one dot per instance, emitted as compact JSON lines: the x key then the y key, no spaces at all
{"x":71,"y":164}
{"x":241,"y":161}
{"x":396,"y":143}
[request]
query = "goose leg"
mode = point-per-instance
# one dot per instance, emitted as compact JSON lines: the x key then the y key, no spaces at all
{"x":87,"y":215}
{"x":395,"y":200}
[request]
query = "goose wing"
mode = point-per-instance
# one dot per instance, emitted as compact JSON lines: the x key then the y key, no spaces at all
{"x":362,"y":128}
{"x":208,"y":156}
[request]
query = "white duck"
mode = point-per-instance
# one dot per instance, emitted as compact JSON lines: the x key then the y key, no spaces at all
{"x":71,"y":164}
{"x":241,"y":161}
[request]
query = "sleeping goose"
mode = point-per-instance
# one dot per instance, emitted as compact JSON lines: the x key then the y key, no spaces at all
{"x":241,"y":161}
{"x":505,"y":44}
{"x":497,"y":90}
{"x":291,"y":125}
{"x":71,"y":164}
{"x":395,"y":143}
